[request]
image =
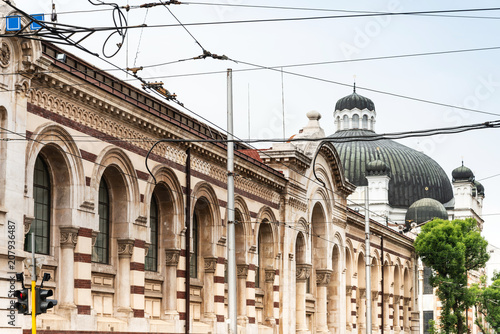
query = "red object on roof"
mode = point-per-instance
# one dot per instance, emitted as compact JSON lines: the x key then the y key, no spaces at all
{"x":254,"y":154}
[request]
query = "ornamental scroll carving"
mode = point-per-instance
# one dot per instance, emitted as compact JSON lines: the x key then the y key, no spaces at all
{"x":362,"y":293}
{"x":172,"y":257}
{"x":396,"y":299}
{"x":270,"y":274}
{"x":406,"y":301}
{"x":374,"y":295}
{"x":4,"y":54}
{"x":27,"y":223}
{"x":242,"y":270}
{"x":125,"y":247}
{"x":323,"y":277}
{"x":348,"y":290}
{"x":68,"y":236}
{"x":303,"y":272}
{"x":210,"y":264}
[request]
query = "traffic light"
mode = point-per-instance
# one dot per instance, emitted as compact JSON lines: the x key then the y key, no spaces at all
{"x":42,"y":303}
{"x":22,"y":301}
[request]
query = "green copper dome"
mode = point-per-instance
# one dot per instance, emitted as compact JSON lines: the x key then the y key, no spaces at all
{"x":424,"y":210}
{"x":413,"y":175}
{"x":462,"y":173}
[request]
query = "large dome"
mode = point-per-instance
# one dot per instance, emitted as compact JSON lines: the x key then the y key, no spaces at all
{"x":414,"y":175}
{"x":354,"y":100}
{"x":424,"y":210}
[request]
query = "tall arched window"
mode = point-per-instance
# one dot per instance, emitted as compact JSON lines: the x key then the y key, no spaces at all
{"x":259,"y":261}
{"x":345,"y":122}
{"x":365,"y":122}
{"x":355,"y":121}
{"x":101,"y":248}
{"x":193,"y":262}
{"x":151,"y":262}
{"x":41,"y":197}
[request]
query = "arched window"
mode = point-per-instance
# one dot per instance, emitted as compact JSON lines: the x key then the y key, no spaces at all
{"x":193,"y":262}
{"x":365,"y":122}
{"x":41,"y":196}
{"x":339,"y":126}
{"x":101,"y":248}
{"x":151,"y":262}
{"x":259,"y":261}
{"x":355,"y":121}
{"x":345,"y":122}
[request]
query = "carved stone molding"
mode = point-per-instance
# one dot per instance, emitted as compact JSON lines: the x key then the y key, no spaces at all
{"x":396,"y":299}
{"x":323,"y":277}
{"x":303,"y":272}
{"x":141,"y":221}
{"x":172,"y":257}
{"x":210,"y":264}
{"x":68,"y":236}
{"x":348,"y":290}
{"x":27,"y":223}
{"x":374,"y":295}
{"x":270,"y":274}
{"x":406,"y":301}
{"x":242,"y":270}
{"x":387,"y":297}
{"x":362,"y":293}
{"x":125,"y":247}
{"x":4,"y":54}
{"x":94,"y":237}
{"x":290,"y":256}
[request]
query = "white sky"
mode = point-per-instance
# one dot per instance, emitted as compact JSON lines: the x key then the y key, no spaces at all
{"x":470,"y":79}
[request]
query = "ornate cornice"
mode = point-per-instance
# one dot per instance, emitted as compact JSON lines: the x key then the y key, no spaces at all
{"x":172,"y":257}
{"x":125,"y":247}
{"x":323,"y":277}
{"x":210,"y":264}
{"x":303,"y":272}
{"x":68,"y":236}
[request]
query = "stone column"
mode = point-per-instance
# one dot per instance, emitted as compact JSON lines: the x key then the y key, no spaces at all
{"x":348,"y":308}
{"x":170,"y":293}
{"x":208,"y":288}
{"x":396,"y":320}
{"x":375,"y":322}
{"x":387,"y":300}
{"x":303,"y":272}
{"x":406,"y":314}
{"x":67,"y":238}
{"x":125,"y":251}
{"x":322,"y":281}
{"x":333,"y":311}
{"x":361,"y":314}
{"x":242,"y":273}
{"x":269,"y":298}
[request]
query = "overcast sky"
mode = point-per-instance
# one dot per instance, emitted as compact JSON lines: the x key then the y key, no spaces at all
{"x":465,"y":79}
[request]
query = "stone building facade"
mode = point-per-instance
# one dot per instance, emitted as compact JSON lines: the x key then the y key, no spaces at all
{"x":113,"y":236}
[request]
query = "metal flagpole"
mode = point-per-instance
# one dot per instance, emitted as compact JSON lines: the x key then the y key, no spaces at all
{"x":368,"y":265}
{"x":231,"y":261}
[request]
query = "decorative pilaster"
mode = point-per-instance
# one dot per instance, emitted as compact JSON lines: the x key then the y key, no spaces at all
{"x":209,"y":287}
{"x":242,"y":273}
{"x":125,"y":251}
{"x":303,"y":272}
{"x":170,"y":292}
{"x":269,"y":297}
{"x":374,"y":301}
{"x":322,"y":282}
{"x":361,"y":314}
{"x":396,"y":321}
{"x":67,"y":238}
{"x":348,"y":307}
{"x":406,"y":314}
{"x":385,"y":305}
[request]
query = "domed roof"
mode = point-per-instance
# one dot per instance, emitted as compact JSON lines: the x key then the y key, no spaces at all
{"x":479,"y":187}
{"x":462,"y":173}
{"x":353,"y":101}
{"x":377,"y":167}
{"x":424,"y":210}
{"x":414,"y":175}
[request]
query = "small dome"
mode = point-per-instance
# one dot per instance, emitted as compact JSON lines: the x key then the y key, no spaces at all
{"x":479,"y":188}
{"x":354,"y":101}
{"x":425,"y":209}
{"x":377,"y":167}
{"x":313,"y":115}
{"x":462,"y":173}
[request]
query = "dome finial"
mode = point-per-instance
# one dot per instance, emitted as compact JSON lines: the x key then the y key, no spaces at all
{"x":354,"y":86}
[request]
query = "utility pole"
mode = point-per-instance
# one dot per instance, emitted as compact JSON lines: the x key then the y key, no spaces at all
{"x":33,"y":286}
{"x":231,"y":261}
{"x":368,"y":264}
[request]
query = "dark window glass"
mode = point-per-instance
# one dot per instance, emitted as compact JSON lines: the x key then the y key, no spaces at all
{"x":193,"y":262}
{"x":101,"y":247}
{"x":41,"y":195}
{"x":427,"y":284}
{"x":151,"y":263}
{"x":257,"y":267}
{"x":428,"y":315}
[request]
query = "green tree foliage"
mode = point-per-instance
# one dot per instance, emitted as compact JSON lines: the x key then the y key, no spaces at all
{"x":451,"y":249}
{"x":488,"y":303}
